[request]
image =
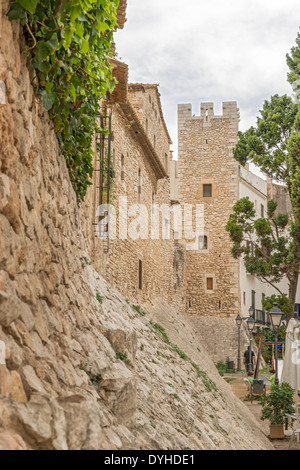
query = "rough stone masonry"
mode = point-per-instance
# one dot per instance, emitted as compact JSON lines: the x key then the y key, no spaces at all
{"x":82,"y":368}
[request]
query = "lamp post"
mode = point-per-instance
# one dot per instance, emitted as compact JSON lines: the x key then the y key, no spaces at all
{"x":250,"y":325}
{"x":276,"y":316}
{"x":251,"y":311}
{"x":238,"y":321}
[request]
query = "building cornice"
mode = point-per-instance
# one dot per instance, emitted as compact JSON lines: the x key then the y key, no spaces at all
{"x":140,"y":135}
{"x":120,"y":73}
{"x":260,"y":193}
{"x":143,"y":87}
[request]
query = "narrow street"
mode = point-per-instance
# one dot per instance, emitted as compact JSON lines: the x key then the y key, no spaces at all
{"x":240,"y":390}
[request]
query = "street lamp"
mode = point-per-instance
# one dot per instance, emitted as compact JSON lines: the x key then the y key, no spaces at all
{"x":276,"y":317}
{"x":239,"y":321}
{"x":250,"y":325}
{"x":251,"y":311}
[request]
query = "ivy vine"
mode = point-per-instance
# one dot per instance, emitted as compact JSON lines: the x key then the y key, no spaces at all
{"x":68,"y":42}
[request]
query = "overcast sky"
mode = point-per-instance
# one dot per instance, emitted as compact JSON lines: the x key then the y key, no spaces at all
{"x":214,"y":50}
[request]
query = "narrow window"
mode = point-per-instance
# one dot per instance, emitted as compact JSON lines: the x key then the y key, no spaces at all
{"x":209,"y":283}
{"x":139,"y":185}
{"x":202,"y":242}
{"x":207,"y":190}
{"x":140,"y":274}
{"x":262,"y":211}
{"x":122,"y":167}
{"x":166,"y":161}
{"x":253,"y":298}
{"x":244,"y":298}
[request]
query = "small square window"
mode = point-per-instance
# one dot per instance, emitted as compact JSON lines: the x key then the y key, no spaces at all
{"x":209,"y":283}
{"x":207,"y":190}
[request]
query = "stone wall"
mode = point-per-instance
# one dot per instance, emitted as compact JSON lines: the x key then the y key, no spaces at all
{"x":146,"y":101}
{"x":136,"y":179}
{"x":219,"y":336}
{"x":205,"y":162}
{"x":82,"y":368}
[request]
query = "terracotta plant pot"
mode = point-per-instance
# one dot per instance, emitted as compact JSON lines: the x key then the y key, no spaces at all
{"x":276,"y":431}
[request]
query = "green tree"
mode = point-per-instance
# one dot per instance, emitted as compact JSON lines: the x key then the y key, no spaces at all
{"x":270,"y":247}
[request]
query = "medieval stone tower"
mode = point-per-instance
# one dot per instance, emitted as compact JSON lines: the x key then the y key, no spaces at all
{"x":208,"y":175}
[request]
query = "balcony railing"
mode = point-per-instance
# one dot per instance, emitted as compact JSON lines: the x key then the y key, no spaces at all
{"x":261,"y":317}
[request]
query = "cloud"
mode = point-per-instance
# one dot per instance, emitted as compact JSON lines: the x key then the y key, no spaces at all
{"x":210,"y":51}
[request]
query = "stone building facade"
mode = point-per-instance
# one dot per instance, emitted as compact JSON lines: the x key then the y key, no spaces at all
{"x":208,"y":176}
{"x":143,"y":262}
{"x":206,"y":173}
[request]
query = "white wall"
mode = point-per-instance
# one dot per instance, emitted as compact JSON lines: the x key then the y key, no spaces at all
{"x":255,"y":188}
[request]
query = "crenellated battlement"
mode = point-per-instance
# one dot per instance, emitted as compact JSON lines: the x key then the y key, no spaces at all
{"x":207,"y":113}
{"x":229,"y":110}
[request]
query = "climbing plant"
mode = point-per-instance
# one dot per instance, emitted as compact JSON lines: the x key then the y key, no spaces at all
{"x":68,"y":42}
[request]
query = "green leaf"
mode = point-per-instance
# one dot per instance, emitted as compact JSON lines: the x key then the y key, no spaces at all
{"x":43,"y":67}
{"x":99,"y":23}
{"x":53,"y":41}
{"x":28,"y":5}
{"x":68,"y":34}
{"x":79,"y":31}
{"x":48,"y":99}
{"x":16,"y":12}
{"x":101,"y":26}
{"x":43,"y":50}
{"x":75,"y":13}
{"x":73,"y":92}
{"x":85,"y":46}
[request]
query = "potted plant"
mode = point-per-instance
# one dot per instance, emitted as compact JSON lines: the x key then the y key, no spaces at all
{"x":274,"y":407}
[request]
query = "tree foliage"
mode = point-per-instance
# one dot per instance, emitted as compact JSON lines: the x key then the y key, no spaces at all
{"x":270,"y":246}
{"x":68,"y":43}
{"x":264,"y":245}
{"x":266,"y":144}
